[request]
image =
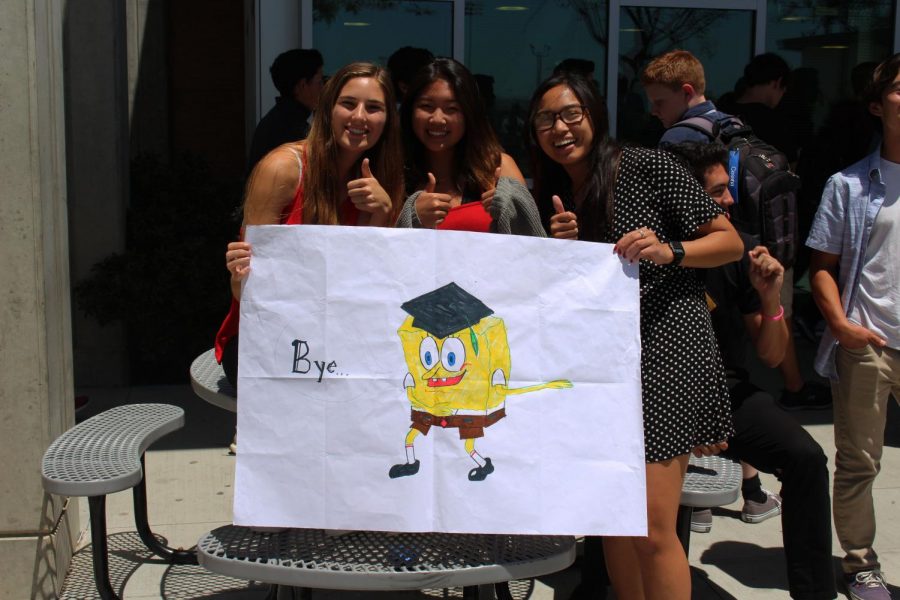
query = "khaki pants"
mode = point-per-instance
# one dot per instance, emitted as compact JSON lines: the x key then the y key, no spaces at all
{"x":866,"y":377}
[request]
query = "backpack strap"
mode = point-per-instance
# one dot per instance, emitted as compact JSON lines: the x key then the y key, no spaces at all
{"x":731,"y":127}
{"x":709,"y":128}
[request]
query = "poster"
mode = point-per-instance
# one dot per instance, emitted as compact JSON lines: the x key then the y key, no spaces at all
{"x":416,"y":380}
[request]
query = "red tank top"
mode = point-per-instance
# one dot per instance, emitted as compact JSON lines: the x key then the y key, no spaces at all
{"x":470,"y":216}
{"x":293,"y":216}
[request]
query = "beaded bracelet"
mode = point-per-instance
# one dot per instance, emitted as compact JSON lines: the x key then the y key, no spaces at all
{"x":776,"y":317}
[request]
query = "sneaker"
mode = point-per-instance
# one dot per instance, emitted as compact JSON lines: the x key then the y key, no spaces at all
{"x":757,"y":512}
{"x":867,"y":585}
{"x":701,"y":520}
{"x":812,"y":396}
{"x":232,"y":447}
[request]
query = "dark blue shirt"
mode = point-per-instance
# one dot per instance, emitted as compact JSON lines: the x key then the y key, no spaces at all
{"x":678,"y":134}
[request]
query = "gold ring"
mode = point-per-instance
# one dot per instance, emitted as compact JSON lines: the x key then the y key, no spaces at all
{"x":643,"y":235}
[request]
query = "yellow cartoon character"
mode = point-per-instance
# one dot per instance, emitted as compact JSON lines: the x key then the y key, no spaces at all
{"x":458,"y":360}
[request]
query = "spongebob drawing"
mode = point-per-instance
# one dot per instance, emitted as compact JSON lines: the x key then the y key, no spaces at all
{"x":459,"y":365}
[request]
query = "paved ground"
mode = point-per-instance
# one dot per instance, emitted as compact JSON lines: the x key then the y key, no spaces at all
{"x":190,"y":476}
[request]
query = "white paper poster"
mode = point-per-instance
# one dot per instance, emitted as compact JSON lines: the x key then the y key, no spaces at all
{"x":414,"y":380}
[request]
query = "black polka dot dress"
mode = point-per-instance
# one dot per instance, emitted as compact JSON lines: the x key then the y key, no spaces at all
{"x":685,"y":398}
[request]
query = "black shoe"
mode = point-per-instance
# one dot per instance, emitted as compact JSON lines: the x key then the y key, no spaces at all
{"x":404,"y":470}
{"x":481,"y":473}
{"x":812,"y":396}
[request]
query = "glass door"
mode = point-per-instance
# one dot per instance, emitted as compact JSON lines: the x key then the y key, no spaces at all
{"x":724,"y":39}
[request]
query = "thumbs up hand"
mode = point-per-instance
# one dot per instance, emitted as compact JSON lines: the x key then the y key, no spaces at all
{"x":431,"y":208}
{"x":367,"y":194}
{"x":563,"y":224}
{"x":488,"y":197}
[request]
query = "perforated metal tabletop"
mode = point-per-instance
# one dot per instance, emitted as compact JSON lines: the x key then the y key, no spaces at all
{"x":365,"y":560}
{"x":209,"y":382}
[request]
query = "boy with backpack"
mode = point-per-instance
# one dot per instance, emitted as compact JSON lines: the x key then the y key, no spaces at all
{"x":761,"y":183}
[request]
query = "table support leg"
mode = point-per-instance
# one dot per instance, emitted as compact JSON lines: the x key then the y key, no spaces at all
{"x":178,"y":557}
{"x":282,"y":592}
{"x":683,"y":526}
{"x":99,"y":547}
{"x":479,"y":592}
{"x":502,"y":591}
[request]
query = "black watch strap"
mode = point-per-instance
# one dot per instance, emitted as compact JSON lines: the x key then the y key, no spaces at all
{"x":677,"y":253}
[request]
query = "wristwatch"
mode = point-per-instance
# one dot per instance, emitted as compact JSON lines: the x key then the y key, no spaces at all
{"x":677,"y":253}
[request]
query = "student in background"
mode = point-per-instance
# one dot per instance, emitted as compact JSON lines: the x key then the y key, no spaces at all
{"x":744,"y":302}
{"x":855,"y":242}
{"x":297,"y":75}
{"x":403,"y":65}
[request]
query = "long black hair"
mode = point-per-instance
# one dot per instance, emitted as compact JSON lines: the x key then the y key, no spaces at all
{"x":477,"y":153}
{"x":595,"y":215}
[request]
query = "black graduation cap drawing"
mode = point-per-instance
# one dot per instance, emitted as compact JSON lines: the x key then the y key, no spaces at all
{"x":446,"y":310}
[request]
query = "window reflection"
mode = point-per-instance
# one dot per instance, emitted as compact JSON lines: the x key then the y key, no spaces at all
{"x":513,"y":45}
{"x":371,"y":31}
{"x":721,"y":39}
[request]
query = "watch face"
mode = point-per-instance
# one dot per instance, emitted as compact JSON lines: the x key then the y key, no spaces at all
{"x":677,"y":252}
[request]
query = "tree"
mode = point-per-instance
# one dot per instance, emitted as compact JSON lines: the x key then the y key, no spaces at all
{"x":658,"y":29}
{"x":327,"y":10}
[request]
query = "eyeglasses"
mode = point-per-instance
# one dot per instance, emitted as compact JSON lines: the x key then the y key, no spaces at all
{"x":570,"y":115}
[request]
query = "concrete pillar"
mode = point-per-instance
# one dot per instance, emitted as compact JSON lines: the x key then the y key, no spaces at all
{"x":36,"y":397}
{"x":96,"y":100}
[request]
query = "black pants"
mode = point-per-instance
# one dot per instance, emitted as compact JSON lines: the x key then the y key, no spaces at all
{"x":229,"y":361}
{"x":771,"y":440}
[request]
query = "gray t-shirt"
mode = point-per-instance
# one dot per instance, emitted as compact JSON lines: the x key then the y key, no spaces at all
{"x":877,"y":305}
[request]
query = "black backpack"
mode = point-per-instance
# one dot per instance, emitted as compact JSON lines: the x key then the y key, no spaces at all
{"x":761,"y":183}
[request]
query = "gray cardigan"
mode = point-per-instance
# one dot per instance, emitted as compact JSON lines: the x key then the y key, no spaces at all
{"x":513,"y":210}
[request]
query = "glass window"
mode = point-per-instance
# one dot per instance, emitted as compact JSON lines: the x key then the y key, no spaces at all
{"x":515,"y":44}
{"x":345,"y":32}
{"x":824,"y":41}
{"x":721,"y":39}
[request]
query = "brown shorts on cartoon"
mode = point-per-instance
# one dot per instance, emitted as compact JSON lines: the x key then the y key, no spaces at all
{"x":470,"y":426}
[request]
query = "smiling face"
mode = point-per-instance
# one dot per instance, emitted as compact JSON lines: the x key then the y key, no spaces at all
{"x":437,"y":118}
{"x":715,"y":182}
{"x":455,"y":372}
{"x":567,"y":144}
{"x":359,"y":115}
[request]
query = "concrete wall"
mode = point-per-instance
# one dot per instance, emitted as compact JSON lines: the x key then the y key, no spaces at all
{"x":36,"y":397}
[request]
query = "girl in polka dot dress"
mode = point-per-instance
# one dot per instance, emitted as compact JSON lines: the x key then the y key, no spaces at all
{"x":642,"y":200}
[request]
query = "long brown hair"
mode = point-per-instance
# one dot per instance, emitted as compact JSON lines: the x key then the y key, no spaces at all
{"x":322,"y":193}
{"x":477,"y":153}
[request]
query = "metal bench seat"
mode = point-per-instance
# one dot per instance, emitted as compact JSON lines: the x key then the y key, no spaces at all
{"x":372,"y":561}
{"x":105,"y":454}
{"x":710,"y":481}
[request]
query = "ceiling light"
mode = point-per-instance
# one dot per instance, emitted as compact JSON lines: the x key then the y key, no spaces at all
{"x":834,"y":47}
{"x":631,"y":29}
{"x":512,"y":8}
{"x":356,"y":24}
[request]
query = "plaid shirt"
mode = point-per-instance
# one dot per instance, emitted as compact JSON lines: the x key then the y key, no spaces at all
{"x":842,"y":226}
